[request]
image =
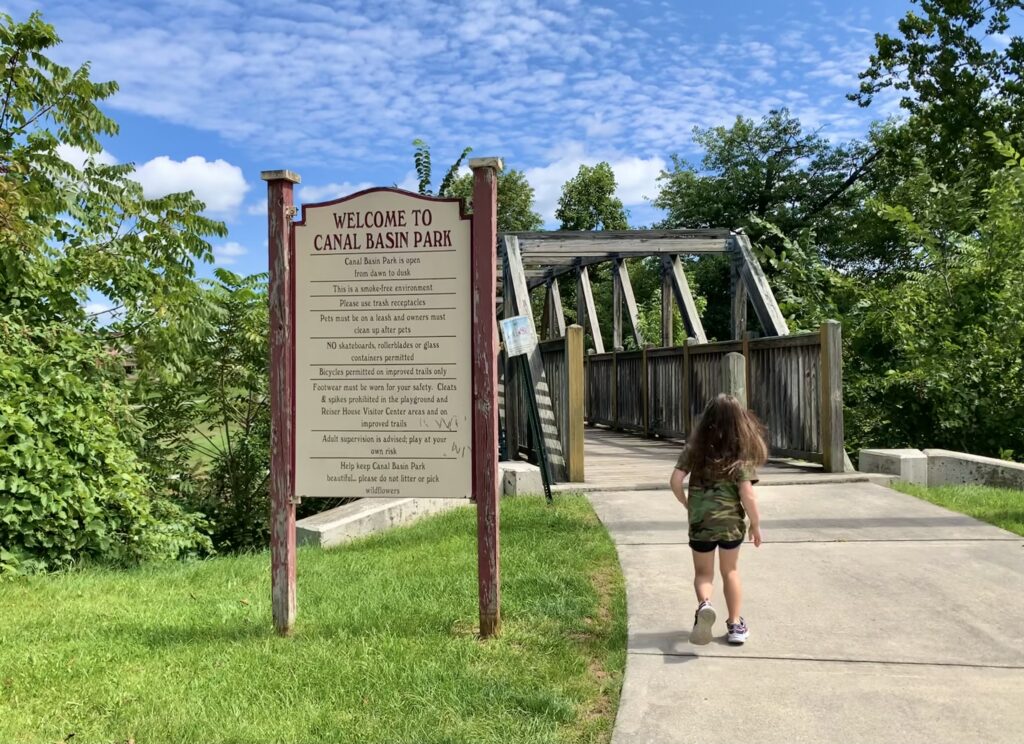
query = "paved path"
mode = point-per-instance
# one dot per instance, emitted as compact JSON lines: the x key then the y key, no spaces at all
{"x":617,"y":461}
{"x":875,"y":618}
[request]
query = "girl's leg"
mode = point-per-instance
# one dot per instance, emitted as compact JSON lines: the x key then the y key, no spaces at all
{"x":703,"y":574}
{"x":728,"y":561}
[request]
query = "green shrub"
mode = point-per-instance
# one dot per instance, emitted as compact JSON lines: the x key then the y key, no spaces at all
{"x":71,"y":486}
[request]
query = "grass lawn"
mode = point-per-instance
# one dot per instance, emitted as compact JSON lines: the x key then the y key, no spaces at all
{"x":999,"y":506}
{"x":385,"y":648}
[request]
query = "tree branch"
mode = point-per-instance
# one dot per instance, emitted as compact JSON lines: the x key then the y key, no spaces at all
{"x":859,"y":172}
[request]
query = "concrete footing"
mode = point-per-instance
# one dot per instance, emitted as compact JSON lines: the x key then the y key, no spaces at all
{"x":934,"y":467}
{"x":366,"y":517}
{"x":909,"y":465}
{"x":947,"y":468}
{"x":520,"y":478}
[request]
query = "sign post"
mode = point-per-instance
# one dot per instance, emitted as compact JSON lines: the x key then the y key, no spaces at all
{"x":280,"y":247}
{"x":485,"y":392}
{"x":383,"y":360}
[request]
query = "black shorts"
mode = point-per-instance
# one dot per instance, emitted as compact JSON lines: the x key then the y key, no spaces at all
{"x":701,"y":546}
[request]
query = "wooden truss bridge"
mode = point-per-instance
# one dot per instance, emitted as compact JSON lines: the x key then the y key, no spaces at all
{"x":793,"y":382}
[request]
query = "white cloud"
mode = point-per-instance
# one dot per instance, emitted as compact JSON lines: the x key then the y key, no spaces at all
{"x":219,"y":184}
{"x":327,"y":192}
{"x":229,"y":253}
{"x":258,"y":209}
{"x":78,"y":157}
{"x":510,"y":79}
{"x":411,"y":182}
{"x":97,"y":308}
{"x":636,"y":178}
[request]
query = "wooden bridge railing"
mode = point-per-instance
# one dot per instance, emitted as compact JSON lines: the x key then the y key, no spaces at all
{"x":793,"y":384}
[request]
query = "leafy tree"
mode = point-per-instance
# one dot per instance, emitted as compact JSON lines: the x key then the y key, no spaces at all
{"x":210,"y":429}
{"x":769,"y":171}
{"x":81,"y":229}
{"x":959,"y":77}
{"x":588,"y":201}
{"x":66,"y":232}
{"x":72,"y":488}
{"x":938,"y":360}
{"x":515,"y":200}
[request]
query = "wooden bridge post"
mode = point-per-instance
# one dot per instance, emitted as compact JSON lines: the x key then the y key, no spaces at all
{"x":734,"y":377}
{"x":833,"y":446}
{"x":513,"y":380}
{"x":575,"y":398}
{"x":615,"y":387}
{"x":645,"y":404}
{"x":667,"y":315}
{"x":586,"y":383}
{"x":747,"y":335}
{"x":617,"y":305}
{"x":739,"y":300}
{"x":687,"y":404}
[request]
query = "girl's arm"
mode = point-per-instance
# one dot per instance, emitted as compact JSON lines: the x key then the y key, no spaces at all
{"x":749,"y":501}
{"x":676,"y":484}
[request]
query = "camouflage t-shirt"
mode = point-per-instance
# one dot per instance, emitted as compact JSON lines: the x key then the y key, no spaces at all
{"x":715,"y":511}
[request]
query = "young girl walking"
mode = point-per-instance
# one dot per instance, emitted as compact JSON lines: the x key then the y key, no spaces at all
{"x":721,"y":458}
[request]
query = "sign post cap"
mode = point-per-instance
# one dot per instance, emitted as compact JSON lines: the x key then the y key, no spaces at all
{"x":495,"y":163}
{"x":280,"y":175}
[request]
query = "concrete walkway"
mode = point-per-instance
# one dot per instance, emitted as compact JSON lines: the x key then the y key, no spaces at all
{"x":874,"y":617}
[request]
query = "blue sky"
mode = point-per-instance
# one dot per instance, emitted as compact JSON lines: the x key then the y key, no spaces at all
{"x":214,"y":91}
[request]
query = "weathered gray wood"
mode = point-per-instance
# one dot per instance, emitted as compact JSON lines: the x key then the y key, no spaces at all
{"x":833,"y":443}
{"x":574,"y":403}
{"x":627,"y":293}
{"x":556,"y":314}
{"x":586,"y":295}
{"x":734,"y":377}
{"x":667,"y":308}
{"x":601,"y":247}
{"x":518,"y":294}
{"x":616,"y":307}
{"x":786,"y":342}
{"x":511,"y":389}
{"x":584,"y":243}
{"x":582,"y":236}
{"x":738,"y":315}
{"x":688,"y":308}
{"x":760,"y":292}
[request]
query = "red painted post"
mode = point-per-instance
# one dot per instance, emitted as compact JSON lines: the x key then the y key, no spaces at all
{"x":280,"y":210}
{"x":485,"y":392}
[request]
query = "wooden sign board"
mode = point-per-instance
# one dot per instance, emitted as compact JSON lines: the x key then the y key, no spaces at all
{"x":383,"y":348}
{"x":383,"y":354}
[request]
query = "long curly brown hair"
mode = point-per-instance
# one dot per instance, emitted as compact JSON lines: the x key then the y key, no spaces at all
{"x":728,"y":438}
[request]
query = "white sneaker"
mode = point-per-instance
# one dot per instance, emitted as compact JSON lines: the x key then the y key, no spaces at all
{"x":738,"y":632}
{"x":703,"y":621}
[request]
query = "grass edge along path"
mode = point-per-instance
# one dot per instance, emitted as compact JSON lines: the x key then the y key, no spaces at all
{"x":1002,"y":507}
{"x":385,"y":648}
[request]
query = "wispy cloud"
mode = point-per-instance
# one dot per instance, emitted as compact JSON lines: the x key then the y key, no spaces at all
{"x":353,"y":82}
{"x":314,"y":194}
{"x":219,"y":184}
{"x":79,"y":157}
{"x":228,"y":253}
